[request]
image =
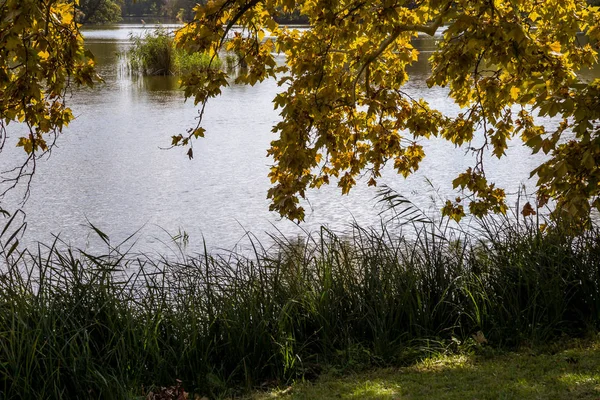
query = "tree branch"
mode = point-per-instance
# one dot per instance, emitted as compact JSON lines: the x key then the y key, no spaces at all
{"x":235,"y":19}
{"x":428,"y":29}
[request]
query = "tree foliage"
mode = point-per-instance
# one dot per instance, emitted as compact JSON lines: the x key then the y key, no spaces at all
{"x":41,"y":54}
{"x":181,"y":9}
{"x":345,"y":112}
{"x":99,"y":11}
{"x":143,"y":7}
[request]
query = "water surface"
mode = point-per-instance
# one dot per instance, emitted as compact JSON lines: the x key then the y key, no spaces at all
{"x":110,"y":167}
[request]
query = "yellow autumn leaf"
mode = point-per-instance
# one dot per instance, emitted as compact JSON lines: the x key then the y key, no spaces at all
{"x":534,"y":16}
{"x":555,"y":47}
{"x":514,"y":93}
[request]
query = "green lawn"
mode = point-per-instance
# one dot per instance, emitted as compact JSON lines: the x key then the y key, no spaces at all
{"x":572,"y":372}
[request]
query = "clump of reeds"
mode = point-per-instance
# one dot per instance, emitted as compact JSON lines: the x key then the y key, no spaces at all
{"x":154,"y":53}
{"x":81,"y":325}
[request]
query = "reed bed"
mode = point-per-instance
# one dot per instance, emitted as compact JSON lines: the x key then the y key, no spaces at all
{"x":116,"y":325}
{"x":155,"y":53}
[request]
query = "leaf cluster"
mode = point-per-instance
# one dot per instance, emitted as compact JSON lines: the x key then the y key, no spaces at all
{"x":345,"y":112}
{"x":41,"y":54}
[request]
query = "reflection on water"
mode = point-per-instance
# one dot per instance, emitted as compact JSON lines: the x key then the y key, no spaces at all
{"x":111,"y":169}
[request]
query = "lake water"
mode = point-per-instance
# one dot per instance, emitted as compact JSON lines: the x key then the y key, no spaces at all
{"x":109,"y":167}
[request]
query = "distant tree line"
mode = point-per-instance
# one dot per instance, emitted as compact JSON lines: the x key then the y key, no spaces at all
{"x":107,"y":11}
{"x":99,"y":11}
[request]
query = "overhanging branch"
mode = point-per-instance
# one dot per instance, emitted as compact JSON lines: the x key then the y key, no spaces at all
{"x":428,"y":29}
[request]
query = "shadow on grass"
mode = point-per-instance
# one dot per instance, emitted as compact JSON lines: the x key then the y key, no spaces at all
{"x":568,"y":374}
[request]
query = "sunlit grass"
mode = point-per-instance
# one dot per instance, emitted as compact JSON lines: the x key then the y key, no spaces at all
{"x":571,"y":373}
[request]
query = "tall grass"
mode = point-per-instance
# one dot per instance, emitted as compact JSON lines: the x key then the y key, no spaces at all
{"x":154,"y":53}
{"x":80,"y":325}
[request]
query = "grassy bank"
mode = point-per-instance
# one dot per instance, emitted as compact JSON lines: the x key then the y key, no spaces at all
{"x":569,"y":371}
{"x":112,"y":325}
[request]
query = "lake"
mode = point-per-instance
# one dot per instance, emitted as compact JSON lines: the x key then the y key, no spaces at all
{"x":110,"y":167}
